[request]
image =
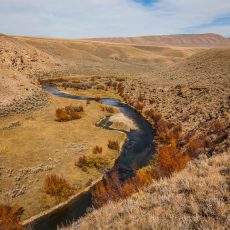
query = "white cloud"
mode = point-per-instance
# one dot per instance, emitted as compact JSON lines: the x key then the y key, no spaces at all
{"x":100,"y":18}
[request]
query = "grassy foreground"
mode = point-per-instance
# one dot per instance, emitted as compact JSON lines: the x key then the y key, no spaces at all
{"x":195,"y":198}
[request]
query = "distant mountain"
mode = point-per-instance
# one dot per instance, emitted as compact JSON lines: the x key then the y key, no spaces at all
{"x":181,"y":40}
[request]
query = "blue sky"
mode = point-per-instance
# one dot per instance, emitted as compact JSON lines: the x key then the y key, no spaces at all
{"x":107,"y":18}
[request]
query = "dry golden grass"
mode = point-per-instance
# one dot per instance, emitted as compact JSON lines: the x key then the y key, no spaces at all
{"x":195,"y":198}
{"x":41,"y":146}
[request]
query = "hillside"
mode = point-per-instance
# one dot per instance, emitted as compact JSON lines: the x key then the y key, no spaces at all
{"x":23,"y":60}
{"x":195,"y":93}
{"x":196,"y":198}
{"x":183,"y":40}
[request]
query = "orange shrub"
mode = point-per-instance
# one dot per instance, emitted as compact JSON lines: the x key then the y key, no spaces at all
{"x":61,"y":114}
{"x":70,"y":112}
{"x":112,"y":189}
{"x":109,"y":109}
{"x":97,"y":150}
{"x":114,"y":145}
{"x":144,"y":176}
{"x":170,"y":160}
{"x":155,"y":116}
{"x":57,"y":186}
{"x":10,"y":217}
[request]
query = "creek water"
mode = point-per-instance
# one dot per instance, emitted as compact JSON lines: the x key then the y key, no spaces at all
{"x":136,"y":152}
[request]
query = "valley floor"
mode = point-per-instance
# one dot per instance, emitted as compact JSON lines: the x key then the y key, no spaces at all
{"x":34,"y":144}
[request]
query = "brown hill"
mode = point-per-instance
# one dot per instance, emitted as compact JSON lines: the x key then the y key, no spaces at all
{"x":185,"y":40}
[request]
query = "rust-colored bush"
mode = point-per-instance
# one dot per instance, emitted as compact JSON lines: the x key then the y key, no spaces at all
{"x":97,"y":150}
{"x":111,"y":188}
{"x":143,"y":176}
{"x":81,"y":161}
{"x":57,"y":186}
{"x":170,"y":160}
{"x":62,"y":115}
{"x":109,"y":109}
{"x":154,"y":115}
{"x":114,"y":145}
{"x":10,"y":217}
{"x":70,"y":112}
{"x":87,"y":102}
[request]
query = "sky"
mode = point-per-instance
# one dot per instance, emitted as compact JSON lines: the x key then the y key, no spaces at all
{"x":113,"y":18}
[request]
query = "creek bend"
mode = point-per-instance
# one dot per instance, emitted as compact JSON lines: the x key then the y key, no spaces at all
{"x":136,"y":152}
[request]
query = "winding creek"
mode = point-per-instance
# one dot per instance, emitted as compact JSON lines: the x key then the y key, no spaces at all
{"x":136,"y":152}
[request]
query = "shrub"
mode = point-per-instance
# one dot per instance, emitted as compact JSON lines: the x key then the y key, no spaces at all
{"x":151,"y":101}
{"x":98,"y":162}
{"x":87,"y":102}
{"x":97,"y":99}
{"x":143,"y":176}
{"x":139,"y":106}
{"x":57,"y":186}
{"x":62,"y":115}
{"x":195,"y":145}
{"x":109,"y":109}
{"x":155,"y":116}
{"x":10,"y":217}
{"x":114,"y":145}
{"x":169,"y":160}
{"x":111,"y":188}
{"x":217,"y":127}
{"x":97,"y":150}
{"x":81,"y":161}
{"x":70,"y":112}
{"x":141,"y":98}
